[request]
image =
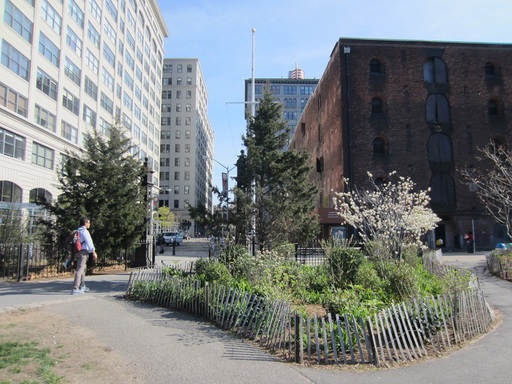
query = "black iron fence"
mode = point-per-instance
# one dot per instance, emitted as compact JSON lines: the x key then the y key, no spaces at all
{"x":27,"y":261}
{"x":312,"y":255}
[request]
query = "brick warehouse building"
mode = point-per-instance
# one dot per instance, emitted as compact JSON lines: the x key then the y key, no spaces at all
{"x":419,"y":108}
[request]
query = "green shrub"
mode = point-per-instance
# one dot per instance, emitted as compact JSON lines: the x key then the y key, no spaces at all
{"x":343,"y":263}
{"x":367,"y":276}
{"x":357,"y":301}
{"x":399,"y":279}
{"x":213,"y":271}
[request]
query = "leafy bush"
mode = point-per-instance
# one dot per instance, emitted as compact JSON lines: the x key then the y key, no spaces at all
{"x":343,"y":263}
{"x":367,"y":276}
{"x":357,"y":300}
{"x":213,"y":271}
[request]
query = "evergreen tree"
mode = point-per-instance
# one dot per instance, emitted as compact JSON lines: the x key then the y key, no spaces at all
{"x":284,"y":199}
{"x":104,"y":184}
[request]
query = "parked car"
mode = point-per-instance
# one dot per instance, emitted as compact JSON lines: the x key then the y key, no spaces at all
{"x":172,"y":238}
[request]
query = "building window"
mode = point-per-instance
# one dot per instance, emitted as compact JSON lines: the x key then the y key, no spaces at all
{"x":187,"y":161}
{"x":10,"y":192}
{"x":176,"y":204}
{"x":91,"y":88}
{"x":42,"y":156}
{"x":93,"y":35}
{"x":188,"y":108}
{"x":39,"y":196}
{"x":258,"y":89}
{"x":176,"y":175}
{"x":379,"y":145}
{"x":178,"y":120}
{"x":89,"y":116}
{"x":179,"y":68}
{"x":76,"y":13}
{"x":440,"y":152}
{"x":437,"y":109}
{"x":495,"y":107}
{"x":188,"y":120}
{"x":434,"y":71}
{"x":177,"y":148}
{"x":187,"y":148}
{"x":307,"y":89}
{"x":442,"y":190}
{"x":377,"y":105}
{"x":13,"y":100}
{"x":18,"y":21}
{"x":176,"y":189}
{"x":290,"y":115}
{"x":189,"y":68}
{"x":49,"y":50}
{"x":187,"y":175}
{"x":189,"y":94}
{"x":46,"y":84}
{"x":189,"y":81}
{"x":376,"y":66}
{"x":290,"y":102}
{"x":176,"y":161}
{"x":74,"y":42}
{"x":187,"y":134}
{"x":491,"y":70}
{"x":70,"y":101}
{"x":51,"y":16}
{"x":45,"y":118}
{"x":290,"y":89}
{"x":69,"y":132}
{"x":106,"y":103}
{"x":112,"y":9}
{"x":72,"y":71}
{"x":109,"y":55}
{"x":15,"y":61}
{"x":11,"y":144}
{"x":275,"y":89}
{"x":92,"y":62}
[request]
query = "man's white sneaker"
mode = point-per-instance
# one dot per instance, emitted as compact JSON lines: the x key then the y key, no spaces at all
{"x":84,"y":288}
{"x":77,"y":292}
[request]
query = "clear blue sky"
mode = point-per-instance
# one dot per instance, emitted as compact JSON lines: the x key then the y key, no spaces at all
{"x":218,"y":33}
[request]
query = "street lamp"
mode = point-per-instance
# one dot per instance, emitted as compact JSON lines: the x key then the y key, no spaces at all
{"x":225,"y":182}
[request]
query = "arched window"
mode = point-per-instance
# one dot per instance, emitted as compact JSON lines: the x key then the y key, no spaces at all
{"x":40,"y":196}
{"x":379,"y":145}
{"x":495,"y":107}
{"x":437,"y":109}
{"x":377,"y":105}
{"x":376,"y":66}
{"x":439,"y":148}
{"x":434,"y":71}
{"x":442,"y":190}
{"x":490,"y":69}
{"x":10,"y":192}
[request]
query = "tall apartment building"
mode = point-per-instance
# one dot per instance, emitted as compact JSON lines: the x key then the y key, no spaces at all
{"x":422,"y":109}
{"x":68,"y":66}
{"x":293,"y":92}
{"x":186,"y":148}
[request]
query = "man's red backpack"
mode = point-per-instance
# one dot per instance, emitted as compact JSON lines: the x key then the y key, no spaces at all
{"x":74,"y":242}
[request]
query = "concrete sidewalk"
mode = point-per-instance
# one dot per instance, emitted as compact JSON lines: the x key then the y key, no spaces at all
{"x":164,"y":346}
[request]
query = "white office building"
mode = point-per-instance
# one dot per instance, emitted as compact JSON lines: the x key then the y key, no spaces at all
{"x":68,"y":66}
{"x":186,"y":165}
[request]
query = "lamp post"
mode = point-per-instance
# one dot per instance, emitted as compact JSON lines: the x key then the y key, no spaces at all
{"x":225,"y":183}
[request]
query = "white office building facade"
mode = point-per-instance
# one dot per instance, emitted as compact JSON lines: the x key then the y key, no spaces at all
{"x":186,"y":171}
{"x":68,"y":66}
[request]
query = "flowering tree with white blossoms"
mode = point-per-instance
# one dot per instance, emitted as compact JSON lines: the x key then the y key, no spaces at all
{"x":391,"y":213}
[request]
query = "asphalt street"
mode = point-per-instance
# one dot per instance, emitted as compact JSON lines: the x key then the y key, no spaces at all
{"x":165,"y":346}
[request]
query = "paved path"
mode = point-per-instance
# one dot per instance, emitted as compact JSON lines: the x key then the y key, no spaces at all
{"x":164,"y":346}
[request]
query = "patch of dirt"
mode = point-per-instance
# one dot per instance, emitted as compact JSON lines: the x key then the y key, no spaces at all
{"x":80,"y":356}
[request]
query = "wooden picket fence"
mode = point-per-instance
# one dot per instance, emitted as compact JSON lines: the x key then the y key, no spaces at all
{"x":404,"y":332}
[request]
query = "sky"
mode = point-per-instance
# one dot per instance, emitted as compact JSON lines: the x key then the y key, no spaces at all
{"x":304,"y":32}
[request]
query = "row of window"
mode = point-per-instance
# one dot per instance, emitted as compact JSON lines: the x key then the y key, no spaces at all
{"x":177,"y":174}
{"x":179,"y":81}
{"x":177,"y":160}
{"x":166,"y":148}
{"x":12,"y":193}
{"x":168,"y":107}
{"x":437,"y":108}
{"x":287,"y":89}
{"x":13,"y":145}
{"x":168,"y":94}
{"x":166,"y":134}
{"x":434,"y":70}
{"x":167,"y":68}
{"x":168,"y":120}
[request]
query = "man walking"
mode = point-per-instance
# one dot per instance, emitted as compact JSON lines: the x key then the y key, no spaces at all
{"x":81,"y":256}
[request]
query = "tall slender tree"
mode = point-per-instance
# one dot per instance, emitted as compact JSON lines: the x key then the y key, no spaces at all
{"x":276,"y":189}
{"x":103,"y":183}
